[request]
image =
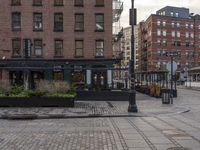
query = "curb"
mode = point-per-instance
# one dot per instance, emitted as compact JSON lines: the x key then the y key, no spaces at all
{"x":59,"y":116}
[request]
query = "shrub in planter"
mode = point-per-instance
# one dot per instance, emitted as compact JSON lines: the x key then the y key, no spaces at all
{"x":34,"y":93}
{"x":16,"y":90}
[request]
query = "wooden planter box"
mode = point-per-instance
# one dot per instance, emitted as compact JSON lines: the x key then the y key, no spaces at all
{"x":102,"y":95}
{"x":36,"y":102}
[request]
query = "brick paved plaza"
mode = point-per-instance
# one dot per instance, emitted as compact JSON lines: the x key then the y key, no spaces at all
{"x":152,"y":132}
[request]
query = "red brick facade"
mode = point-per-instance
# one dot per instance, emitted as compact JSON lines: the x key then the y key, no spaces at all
{"x":48,"y":35}
{"x":153,"y":47}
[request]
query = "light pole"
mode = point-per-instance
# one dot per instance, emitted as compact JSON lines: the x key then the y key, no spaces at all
{"x":172,"y":55}
{"x":132,"y":94}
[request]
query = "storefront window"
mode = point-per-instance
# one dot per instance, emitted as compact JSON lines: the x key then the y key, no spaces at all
{"x":16,"y":78}
{"x":78,"y":75}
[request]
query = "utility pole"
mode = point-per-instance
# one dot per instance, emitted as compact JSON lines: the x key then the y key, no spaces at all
{"x":132,"y":93}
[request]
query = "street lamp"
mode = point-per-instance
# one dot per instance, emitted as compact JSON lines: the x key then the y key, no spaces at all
{"x":132,"y":94}
{"x":172,"y":55}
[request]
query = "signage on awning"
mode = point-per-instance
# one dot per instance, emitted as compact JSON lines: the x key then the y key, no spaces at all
{"x":78,"y":68}
{"x":57,"y":68}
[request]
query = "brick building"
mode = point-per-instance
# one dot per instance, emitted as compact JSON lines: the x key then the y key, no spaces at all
{"x":171,"y":29}
{"x":67,"y":40}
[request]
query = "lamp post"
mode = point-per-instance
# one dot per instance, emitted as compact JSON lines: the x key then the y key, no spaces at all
{"x":132,"y":94}
{"x":172,"y":55}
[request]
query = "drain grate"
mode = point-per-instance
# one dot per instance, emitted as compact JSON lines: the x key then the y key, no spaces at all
{"x":178,"y":148}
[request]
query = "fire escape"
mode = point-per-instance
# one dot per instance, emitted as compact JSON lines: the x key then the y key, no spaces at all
{"x":117,"y":29}
{"x":118,"y":44}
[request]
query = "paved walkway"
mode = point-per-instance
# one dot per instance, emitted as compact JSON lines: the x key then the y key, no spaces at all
{"x":160,"y":127}
{"x":147,"y":106}
{"x":124,"y":133}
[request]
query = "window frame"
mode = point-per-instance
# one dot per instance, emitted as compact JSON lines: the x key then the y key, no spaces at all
{"x":17,"y":3}
{"x":56,"y":48}
{"x":34,"y":21}
{"x":76,"y":4}
{"x":20,"y":47}
{"x":56,"y":3}
{"x":99,"y":22}
{"x":101,"y":4}
{"x":78,"y":48}
{"x":97,"y":49}
{"x":36,"y":3}
{"x":34,"y":47}
{"x":14,"y":22}
{"x":56,"y":23}
{"x":79,"y":22}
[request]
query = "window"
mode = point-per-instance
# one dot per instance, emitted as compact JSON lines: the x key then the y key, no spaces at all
{"x":99,"y":21}
{"x":58,"y":47}
{"x":79,"y":45}
{"x":158,"y":22}
{"x":176,"y":43}
{"x":15,"y":2}
{"x":178,"y":34}
{"x":99,"y":48}
{"x":16,"y":21}
{"x":164,"y":13}
{"x":58,"y":22}
{"x":164,"y":33}
{"x":187,"y":44}
{"x":164,"y":23}
{"x":158,"y":32}
{"x":177,"y":25}
{"x":16,"y":47}
{"x":79,"y":22}
{"x":37,"y":2}
{"x":58,"y":3}
{"x":172,"y":14}
{"x":37,"y":21}
{"x":78,"y":2}
{"x":192,"y":35}
{"x":177,"y":14}
{"x":187,"y":34}
{"x":173,"y":33}
{"x":99,"y":2}
{"x":186,"y":26}
{"x":37,"y":47}
{"x":158,"y":41}
{"x":191,"y":26}
{"x":173,"y":24}
{"x":58,"y":75}
{"x":165,"y":42}
{"x":199,"y":27}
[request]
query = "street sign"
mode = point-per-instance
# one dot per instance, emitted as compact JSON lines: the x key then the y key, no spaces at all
{"x":172,"y":54}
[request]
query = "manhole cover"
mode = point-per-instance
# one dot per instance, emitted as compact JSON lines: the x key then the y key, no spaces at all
{"x":178,"y":148}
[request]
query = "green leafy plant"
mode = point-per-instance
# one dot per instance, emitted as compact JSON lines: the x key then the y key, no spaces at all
{"x":16,"y":90}
{"x":35,"y":93}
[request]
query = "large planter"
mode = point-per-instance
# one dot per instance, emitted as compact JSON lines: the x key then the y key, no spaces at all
{"x":36,"y":102}
{"x":102,"y":95}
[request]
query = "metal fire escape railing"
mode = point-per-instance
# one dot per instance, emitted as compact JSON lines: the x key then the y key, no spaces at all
{"x":117,"y":29}
{"x":117,"y":10}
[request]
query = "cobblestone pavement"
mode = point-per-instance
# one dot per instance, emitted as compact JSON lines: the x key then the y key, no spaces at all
{"x":164,"y":128}
{"x":125,"y":133}
{"x":148,"y":106}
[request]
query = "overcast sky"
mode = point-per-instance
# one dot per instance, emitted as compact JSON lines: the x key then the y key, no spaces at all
{"x":147,"y":7}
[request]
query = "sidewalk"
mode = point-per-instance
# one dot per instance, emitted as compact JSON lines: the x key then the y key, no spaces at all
{"x":147,"y":106}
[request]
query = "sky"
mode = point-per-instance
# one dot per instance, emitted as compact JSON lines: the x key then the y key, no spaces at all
{"x":147,"y":7}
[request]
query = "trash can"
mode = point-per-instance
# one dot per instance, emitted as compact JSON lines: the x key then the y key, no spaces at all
{"x":166,"y":96}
